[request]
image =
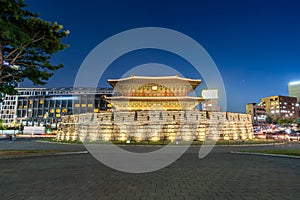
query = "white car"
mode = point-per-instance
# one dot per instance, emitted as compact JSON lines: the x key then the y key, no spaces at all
{"x":295,"y":137}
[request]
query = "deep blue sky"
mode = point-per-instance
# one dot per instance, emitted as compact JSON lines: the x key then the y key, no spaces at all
{"x":255,"y":44}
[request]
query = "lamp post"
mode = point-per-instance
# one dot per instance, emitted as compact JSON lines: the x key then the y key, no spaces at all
{"x":45,"y":120}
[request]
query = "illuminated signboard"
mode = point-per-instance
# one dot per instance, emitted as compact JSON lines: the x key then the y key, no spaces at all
{"x":210,"y":94}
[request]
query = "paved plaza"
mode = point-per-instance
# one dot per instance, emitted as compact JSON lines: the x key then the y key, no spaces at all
{"x":220,"y":175}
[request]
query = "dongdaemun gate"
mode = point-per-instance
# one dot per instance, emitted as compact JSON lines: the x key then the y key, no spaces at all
{"x":154,"y":93}
{"x":155,"y":108}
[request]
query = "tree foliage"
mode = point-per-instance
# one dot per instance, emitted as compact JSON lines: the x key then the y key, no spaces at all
{"x":26,"y":45}
{"x":286,"y":121}
{"x":269,"y":120}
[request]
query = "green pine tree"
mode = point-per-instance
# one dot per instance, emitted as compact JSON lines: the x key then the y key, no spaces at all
{"x":26,"y":45}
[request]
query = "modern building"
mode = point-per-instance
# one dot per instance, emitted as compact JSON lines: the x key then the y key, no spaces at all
{"x":8,"y":109}
{"x":294,"y":90}
{"x":46,"y":106}
{"x":281,"y":106}
{"x":257,"y":112}
{"x":211,"y":102}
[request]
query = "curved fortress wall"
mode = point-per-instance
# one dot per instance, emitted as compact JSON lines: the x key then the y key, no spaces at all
{"x":156,"y":125}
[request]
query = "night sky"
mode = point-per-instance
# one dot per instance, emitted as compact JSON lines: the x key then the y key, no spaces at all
{"x":255,"y":44}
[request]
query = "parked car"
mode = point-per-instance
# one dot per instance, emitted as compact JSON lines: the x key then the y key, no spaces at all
{"x":280,"y":135}
{"x":260,"y":136}
{"x":269,"y":135}
{"x":295,"y":137}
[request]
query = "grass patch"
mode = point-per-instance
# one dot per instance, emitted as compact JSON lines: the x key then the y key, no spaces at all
{"x":118,"y":142}
{"x":161,"y":142}
{"x":243,"y":142}
{"x":59,"y":141}
{"x":291,"y":152}
{"x":27,"y":152}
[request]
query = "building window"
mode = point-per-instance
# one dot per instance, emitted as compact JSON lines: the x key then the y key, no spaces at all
{"x":46,"y":103}
{"x":51,"y":103}
{"x":57,"y":103}
{"x":63,"y":103}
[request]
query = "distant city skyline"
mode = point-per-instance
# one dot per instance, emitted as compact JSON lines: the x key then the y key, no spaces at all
{"x":255,"y":44}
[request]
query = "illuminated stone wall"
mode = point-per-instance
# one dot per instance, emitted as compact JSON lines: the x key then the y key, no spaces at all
{"x":156,"y":125}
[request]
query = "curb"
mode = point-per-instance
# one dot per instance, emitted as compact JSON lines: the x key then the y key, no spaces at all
{"x":264,"y":154}
{"x":40,"y":141}
{"x":249,"y":145}
{"x":161,"y":145}
{"x":179,"y":145}
{"x":44,"y":155}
